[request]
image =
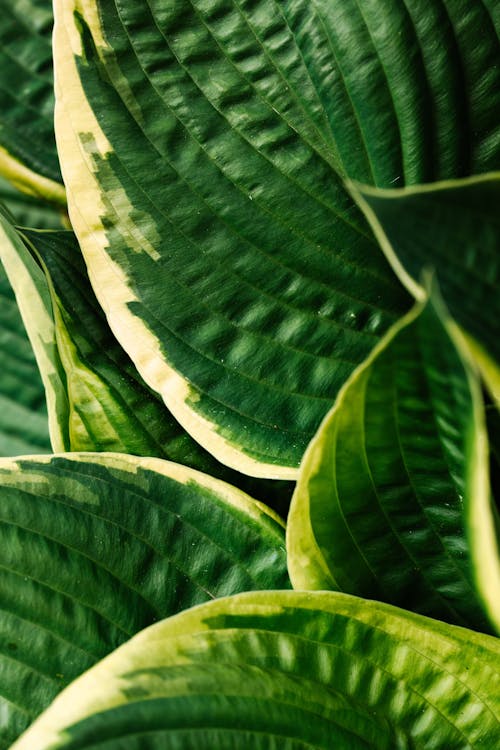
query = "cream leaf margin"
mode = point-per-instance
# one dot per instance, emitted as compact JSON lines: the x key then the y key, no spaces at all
{"x":74,"y":116}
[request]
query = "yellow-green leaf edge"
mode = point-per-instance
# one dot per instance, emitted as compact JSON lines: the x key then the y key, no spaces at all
{"x":490,"y":370}
{"x":306,"y":565}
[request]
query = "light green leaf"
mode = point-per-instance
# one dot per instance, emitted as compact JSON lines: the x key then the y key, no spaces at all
{"x":23,"y":414}
{"x":197,"y":147}
{"x":393,"y":500}
{"x":28,"y":156}
{"x":110,"y":407}
{"x":33,"y":300}
{"x":285,"y":670}
{"x":93,"y":548}
{"x":453,"y":228}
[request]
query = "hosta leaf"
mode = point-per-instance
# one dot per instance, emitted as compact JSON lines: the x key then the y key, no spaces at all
{"x":27,"y":210}
{"x":33,"y":299}
{"x":285,"y":670}
{"x":23,"y":414}
{"x":453,"y":228}
{"x":28,"y":156}
{"x":221,"y":242}
{"x":93,"y":548}
{"x":110,"y":407}
{"x":393,"y":501}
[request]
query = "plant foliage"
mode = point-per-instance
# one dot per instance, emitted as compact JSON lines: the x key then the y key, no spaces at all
{"x":244,"y":244}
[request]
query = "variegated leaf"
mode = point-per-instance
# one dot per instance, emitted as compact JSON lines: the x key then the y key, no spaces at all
{"x":94,"y":547}
{"x":285,"y":670}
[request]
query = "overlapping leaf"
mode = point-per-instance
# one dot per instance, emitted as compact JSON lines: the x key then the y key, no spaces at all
{"x":33,"y":299}
{"x":393,"y":501}
{"x":27,"y":210}
{"x":28,"y":156}
{"x":23,"y":414}
{"x":453,"y":228}
{"x":196,"y":140}
{"x":285,"y":670}
{"x":93,"y":548}
{"x":108,"y":406}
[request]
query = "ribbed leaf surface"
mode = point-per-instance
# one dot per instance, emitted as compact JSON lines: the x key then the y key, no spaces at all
{"x":197,"y":145}
{"x":93,"y":548}
{"x":109,"y":406}
{"x":285,"y":670}
{"x":28,"y":155}
{"x":23,"y":414}
{"x":393,"y":501}
{"x":453,"y":228}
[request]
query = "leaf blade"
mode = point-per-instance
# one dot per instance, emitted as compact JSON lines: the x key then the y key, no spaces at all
{"x":385,"y":502}
{"x":453,"y":215}
{"x":382,"y":668}
{"x":199,"y":361}
{"x":96,"y":546}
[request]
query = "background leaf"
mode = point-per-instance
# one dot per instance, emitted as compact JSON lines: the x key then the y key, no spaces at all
{"x":395,"y":484}
{"x":23,"y":413}
{"x":287,"y":670}
{"x":95,"y":547}
{"x":28,"y":156}
{"x":453,"y":228}
{"x":28,"y":210}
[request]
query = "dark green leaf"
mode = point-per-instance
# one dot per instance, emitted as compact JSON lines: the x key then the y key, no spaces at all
{"x":28,"y":156}
{"x":23,"y":414}
{"x":93,"y":548}
{"x":110,"y":407}
{"x":232,"y":263}
{"x":454,"y":229}
{"x":27,"y":210}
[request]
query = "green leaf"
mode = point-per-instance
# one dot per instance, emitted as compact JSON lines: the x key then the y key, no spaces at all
{"x":23,"y":414}
{"x":110,"y":407}
{"x":28,"y":156}
{"x":93,"y":548}
{"x":453,"y":228}
{"x":33,"y":299}
{"x":393,"y":500}
{"x":221,"y":242}
{"x":27,"y":210}
{"x":203,"y":145}
{"x":285,"y":670}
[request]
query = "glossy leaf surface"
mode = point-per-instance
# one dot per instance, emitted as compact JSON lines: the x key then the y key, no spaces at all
{"x":110,"y":408}
{"x":454,"y":229}
{"x":198,"y":149}
{"x":285,"y":670}
{"x":393,"y":501}
{"x":93,"y":548}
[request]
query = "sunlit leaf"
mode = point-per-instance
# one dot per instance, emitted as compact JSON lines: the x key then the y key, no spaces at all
{"x":285,"y":670}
